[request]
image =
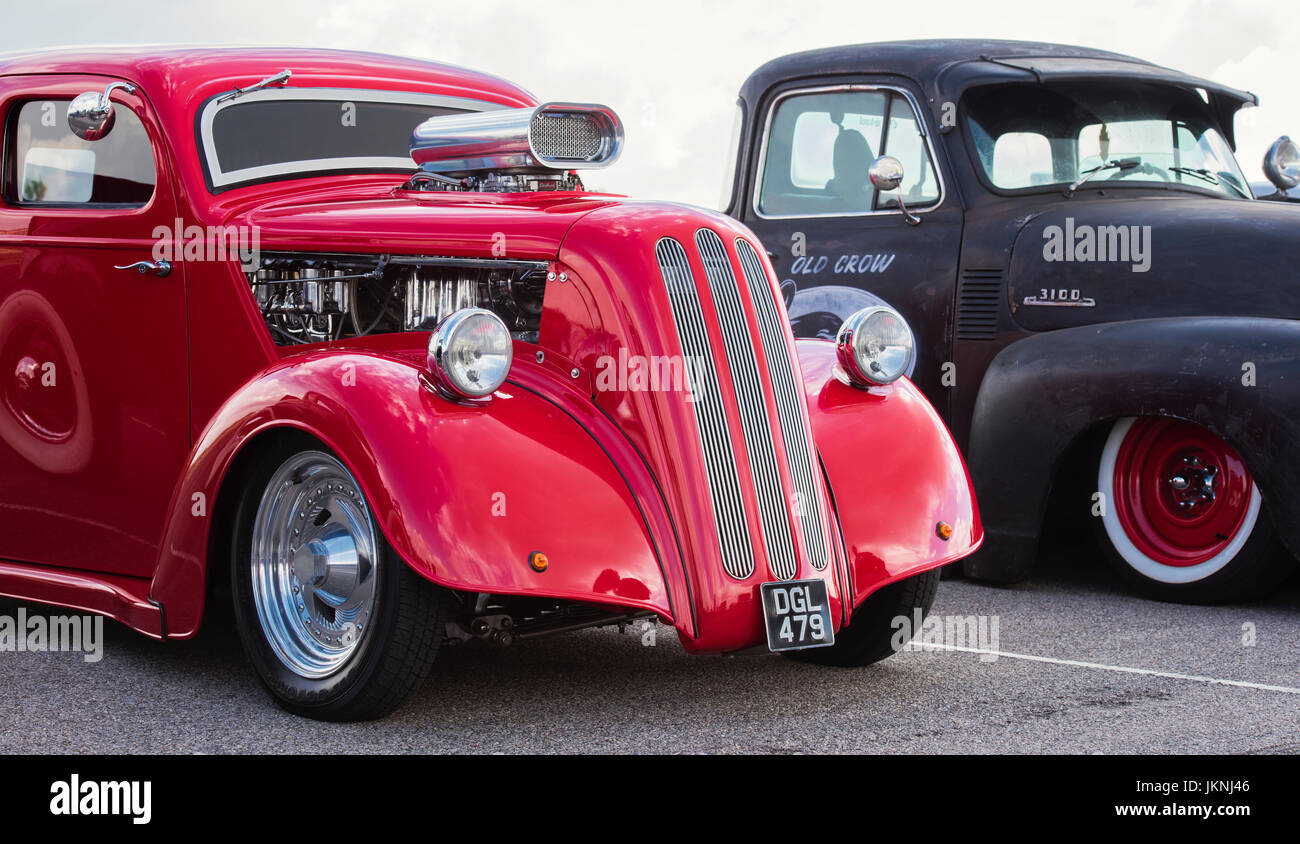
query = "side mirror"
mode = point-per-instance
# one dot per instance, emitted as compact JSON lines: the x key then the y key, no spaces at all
{"x":1282,"y":164}
{"x":886,"y":174}
{"x":91,"y":115}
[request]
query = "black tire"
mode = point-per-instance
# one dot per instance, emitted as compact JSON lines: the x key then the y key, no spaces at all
{"x":870,"y":634}
{"x":1258,"y":569}
{"x":391,"y":660}
{"x":1258,"y":565}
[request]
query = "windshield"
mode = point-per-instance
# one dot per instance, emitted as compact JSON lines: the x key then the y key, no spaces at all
{"x":280,"y":133}
{"x":1036,"y":136}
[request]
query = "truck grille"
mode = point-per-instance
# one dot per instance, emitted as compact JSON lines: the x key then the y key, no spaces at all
{"x":749,"y":389}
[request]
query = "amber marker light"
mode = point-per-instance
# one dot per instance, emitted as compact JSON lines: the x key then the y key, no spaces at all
{"x":944,"y":531}
{"x":538,"y":561}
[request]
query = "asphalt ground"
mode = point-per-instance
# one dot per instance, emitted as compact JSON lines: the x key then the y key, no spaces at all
{"x":1082,"y":666}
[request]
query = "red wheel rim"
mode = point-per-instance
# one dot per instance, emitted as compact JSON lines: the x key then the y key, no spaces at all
{"x":1180,"y":492}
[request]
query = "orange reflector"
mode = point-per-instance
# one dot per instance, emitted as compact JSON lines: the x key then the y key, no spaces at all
{"x":538,"y":561}
{"x":944,"y":530}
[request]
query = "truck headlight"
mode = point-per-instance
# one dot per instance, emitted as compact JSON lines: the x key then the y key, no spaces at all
{"x":875,"y":346}
{"x":470,"y":353}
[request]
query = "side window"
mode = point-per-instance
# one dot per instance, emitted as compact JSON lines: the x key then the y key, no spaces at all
{"x":818,"y":151}
{"x":820,"y":146}
{"x":52,"y":166}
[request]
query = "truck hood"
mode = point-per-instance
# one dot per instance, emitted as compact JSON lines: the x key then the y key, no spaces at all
{"x":1086,"y":261}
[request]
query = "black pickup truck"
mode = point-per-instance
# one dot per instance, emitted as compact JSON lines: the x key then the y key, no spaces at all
{"x":1083,"y":264}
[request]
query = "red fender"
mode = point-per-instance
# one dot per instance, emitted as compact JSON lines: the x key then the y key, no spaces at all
{"x":463,"y":494}
{"x":895,"y":473}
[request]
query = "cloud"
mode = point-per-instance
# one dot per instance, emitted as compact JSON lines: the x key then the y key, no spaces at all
{"x":672,"y":68}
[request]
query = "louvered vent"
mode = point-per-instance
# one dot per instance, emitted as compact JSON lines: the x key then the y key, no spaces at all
{"x":756,"y":427}
{"x":710,"y":412}
{"x":789,"y":400}
{"x":979,"y":298}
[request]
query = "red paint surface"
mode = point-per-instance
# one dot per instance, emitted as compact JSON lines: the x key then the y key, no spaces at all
{"x":164,"y":382}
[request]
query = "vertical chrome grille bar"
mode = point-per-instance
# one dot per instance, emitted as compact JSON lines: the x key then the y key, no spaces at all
{"x":710,"y":413}
{"x":789,"y":395}
{"x":742,"y":360}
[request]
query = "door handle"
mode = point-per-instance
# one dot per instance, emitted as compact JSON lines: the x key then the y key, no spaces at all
{"x":162,"y":269}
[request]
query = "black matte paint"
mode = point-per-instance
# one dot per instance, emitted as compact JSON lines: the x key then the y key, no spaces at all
{"x":1222,"y":290}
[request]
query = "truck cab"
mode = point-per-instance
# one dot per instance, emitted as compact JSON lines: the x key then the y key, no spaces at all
{"x":1081,"y":260}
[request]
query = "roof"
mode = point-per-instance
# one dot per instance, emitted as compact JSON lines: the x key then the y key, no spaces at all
{"x":946,"y":68}
{"x":166,"y":71}
{"x":177,"y":81}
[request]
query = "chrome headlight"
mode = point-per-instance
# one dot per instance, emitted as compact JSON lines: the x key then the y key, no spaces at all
{"x":875,"y":346}
{"x":470,"y":353}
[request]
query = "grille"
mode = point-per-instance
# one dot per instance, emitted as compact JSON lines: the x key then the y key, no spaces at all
{"x":738,"y":344}
{"x":710,"y":414}
{"x":978,"y":298}
{"x":569,"y":138}
{"x":789,"y":407}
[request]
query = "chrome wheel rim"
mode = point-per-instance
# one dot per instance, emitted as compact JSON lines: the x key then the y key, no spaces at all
{"x":313,"y":565}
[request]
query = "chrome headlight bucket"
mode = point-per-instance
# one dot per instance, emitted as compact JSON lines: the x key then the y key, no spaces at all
{"x":875,"y":346}
{"x":470,"y":353}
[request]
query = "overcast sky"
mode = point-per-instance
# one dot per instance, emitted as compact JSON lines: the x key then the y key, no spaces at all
{"x":672,"y":69}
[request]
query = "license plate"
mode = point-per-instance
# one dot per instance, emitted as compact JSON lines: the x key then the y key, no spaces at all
{"x":798,"y":615}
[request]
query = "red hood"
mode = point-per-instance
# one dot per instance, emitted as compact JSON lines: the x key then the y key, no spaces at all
{"x":369,"y":219}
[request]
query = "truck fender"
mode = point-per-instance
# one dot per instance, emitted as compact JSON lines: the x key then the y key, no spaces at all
{"x":1237,"y":377}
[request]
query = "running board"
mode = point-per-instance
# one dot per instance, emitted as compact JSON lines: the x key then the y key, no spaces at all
{"x":124,"y":599}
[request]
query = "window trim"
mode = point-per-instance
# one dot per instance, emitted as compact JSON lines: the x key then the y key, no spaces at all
{"x":735,"y":184}
{"x":9,"y":154}
{"x":220,"y":180}
{"x":928,"y":137}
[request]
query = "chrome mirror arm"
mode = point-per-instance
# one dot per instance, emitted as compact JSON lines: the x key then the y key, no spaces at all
{"x":912,"y":219}
{"x":126,"y":87}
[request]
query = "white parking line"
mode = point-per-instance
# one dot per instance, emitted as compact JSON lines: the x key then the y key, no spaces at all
{"x":1122,"y":669}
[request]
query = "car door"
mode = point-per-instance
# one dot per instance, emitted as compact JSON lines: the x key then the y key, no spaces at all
{"x":94,"y":417}
{"x":838,"y":244}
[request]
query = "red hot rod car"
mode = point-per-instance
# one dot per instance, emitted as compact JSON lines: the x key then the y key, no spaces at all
{"x":341,"y":338}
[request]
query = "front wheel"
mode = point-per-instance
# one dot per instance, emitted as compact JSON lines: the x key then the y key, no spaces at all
{"x":871,"y":632}
{"x":1181,"y":518}
{"x":337,"y":627}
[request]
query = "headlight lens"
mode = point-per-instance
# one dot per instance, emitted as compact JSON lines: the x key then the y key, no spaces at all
{"x":470,"y":353}
{"x":875,"y":346}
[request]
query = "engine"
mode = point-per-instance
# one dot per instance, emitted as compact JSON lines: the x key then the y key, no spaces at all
{"x":307,"y":298}
{"x":318,"y":298}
